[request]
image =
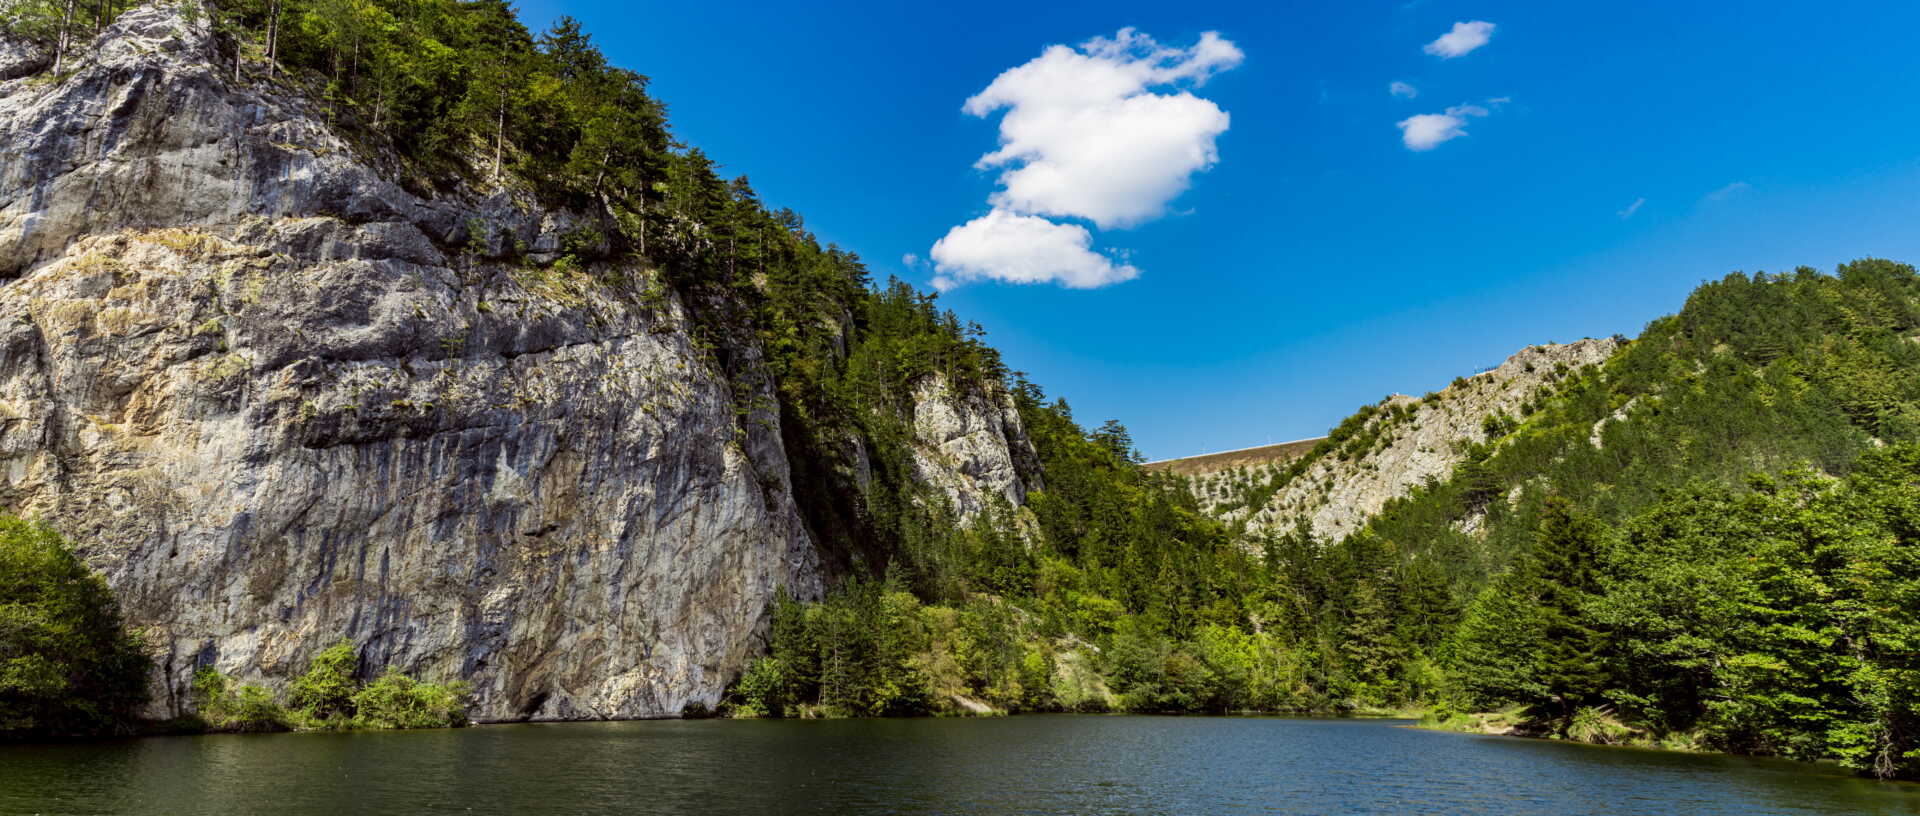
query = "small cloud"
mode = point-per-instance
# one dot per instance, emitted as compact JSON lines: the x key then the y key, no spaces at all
{"x":1499,"y":100}
{"x":1729,"y":191}
{"x":1403,"y":90}
{"x":1462,"y":40}
{"x":1429,"y":130}
{"x":1016,"y":248}
{"x":911,"y":260}
{"x":1632,"y":208}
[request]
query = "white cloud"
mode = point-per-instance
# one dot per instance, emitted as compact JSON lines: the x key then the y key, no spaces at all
{"x":1016,"y":248}
{"x":1108,"y":131}
{"x":1403,"y":90}
{"x":910,"y":260}
{"x":1632,"y":208}
{"x":1086,"y":136}
{"x":1428,"y":130}
{"x":1462,"y":40}
{"x":1729,"y":191}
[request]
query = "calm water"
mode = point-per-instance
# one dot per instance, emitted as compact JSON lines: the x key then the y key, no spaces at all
{"x":1017,"y":765}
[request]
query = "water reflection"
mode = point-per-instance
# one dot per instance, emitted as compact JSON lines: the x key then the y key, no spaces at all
{"x":1018,"y":765}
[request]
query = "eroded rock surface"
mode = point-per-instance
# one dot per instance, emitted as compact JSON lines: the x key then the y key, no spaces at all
{"x":972,"y":447}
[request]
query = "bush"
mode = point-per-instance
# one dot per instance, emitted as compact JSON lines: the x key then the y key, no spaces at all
{"x":326,"y":698}
{"x":398,"y":701}
{"x":326,"y":691}
{"x":227,"y":707}
{"x":67,"y":665}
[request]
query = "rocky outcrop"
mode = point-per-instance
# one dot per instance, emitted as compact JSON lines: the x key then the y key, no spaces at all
{"x":1400,"y":449}
{"x":278,"y":400}
{"x":972,"y":447}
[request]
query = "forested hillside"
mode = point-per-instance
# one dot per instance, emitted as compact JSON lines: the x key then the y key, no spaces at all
{"x":1671,"y":520}
{"x":1705,"y":542}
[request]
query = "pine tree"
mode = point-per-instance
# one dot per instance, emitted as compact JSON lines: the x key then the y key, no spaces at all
{"x":1565,"y":572}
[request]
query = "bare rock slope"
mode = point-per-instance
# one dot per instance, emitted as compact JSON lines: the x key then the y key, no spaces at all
{"x":1401,"y":444}
{"x":278,"y":401}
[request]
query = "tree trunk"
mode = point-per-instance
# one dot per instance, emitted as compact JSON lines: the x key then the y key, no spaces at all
{"x":273,"y":36}
{"x":60,"y":49}
{"x":499,"y":138}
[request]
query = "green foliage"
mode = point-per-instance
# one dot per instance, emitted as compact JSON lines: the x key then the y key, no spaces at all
{"x":326,"y":691}
{"x":394,"y":700}
{"x":327,"y":697}
{"x":226,"y":706}
{"x":67,"y":664}
{"x":856,"y":654}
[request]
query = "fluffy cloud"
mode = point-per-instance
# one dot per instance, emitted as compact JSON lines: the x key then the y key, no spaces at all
{"x":1462,"y":40}
{"x":1428,"y":130}
{"x":1085,"y":136}
{"x":1403,"y":90}
{"x":1108,"y":131}
{"x":1015,"y":248}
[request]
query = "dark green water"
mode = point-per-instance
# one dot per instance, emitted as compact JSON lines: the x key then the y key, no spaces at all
{"x":1017,"y":765}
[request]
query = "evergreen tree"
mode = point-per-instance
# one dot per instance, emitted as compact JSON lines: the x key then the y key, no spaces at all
{"x":1564,"y":569}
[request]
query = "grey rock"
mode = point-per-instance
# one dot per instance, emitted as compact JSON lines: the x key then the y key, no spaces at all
{"x":972,"y":447}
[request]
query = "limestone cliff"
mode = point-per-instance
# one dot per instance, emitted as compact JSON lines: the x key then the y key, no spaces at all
{"x":278,"y":400}
{"x":1398,"y":445}
{"x":972,"y":447}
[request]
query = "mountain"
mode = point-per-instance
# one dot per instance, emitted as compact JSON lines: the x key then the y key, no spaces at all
{"x":279,"y":393}
{"x":1386,"y":450}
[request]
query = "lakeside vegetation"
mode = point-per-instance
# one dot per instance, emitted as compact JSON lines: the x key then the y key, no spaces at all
{"x":70,"y":667}
{"x":328,"y":698}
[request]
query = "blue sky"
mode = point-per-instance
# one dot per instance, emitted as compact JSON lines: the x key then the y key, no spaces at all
{"x":1319,"y":263}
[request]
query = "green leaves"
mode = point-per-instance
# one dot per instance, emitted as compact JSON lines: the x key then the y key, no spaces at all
{"x":326,"y":691}
{"x":327,"y":697}
{"x":67,"y":665}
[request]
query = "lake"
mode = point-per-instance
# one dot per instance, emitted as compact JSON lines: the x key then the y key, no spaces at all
{"x":1014,"y":765}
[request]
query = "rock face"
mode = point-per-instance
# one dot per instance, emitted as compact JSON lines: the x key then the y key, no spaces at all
{"x":1425,"y":439}
{"x":972,"y":447}
{"x":279,"y":401}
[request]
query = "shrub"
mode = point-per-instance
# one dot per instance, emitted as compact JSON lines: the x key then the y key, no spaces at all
{"x":398,"y":701}
{"x":326,"y":691}
{"x":227,"y":707}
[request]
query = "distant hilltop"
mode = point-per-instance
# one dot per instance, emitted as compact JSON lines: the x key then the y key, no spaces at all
{"x":1243,"y":458}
